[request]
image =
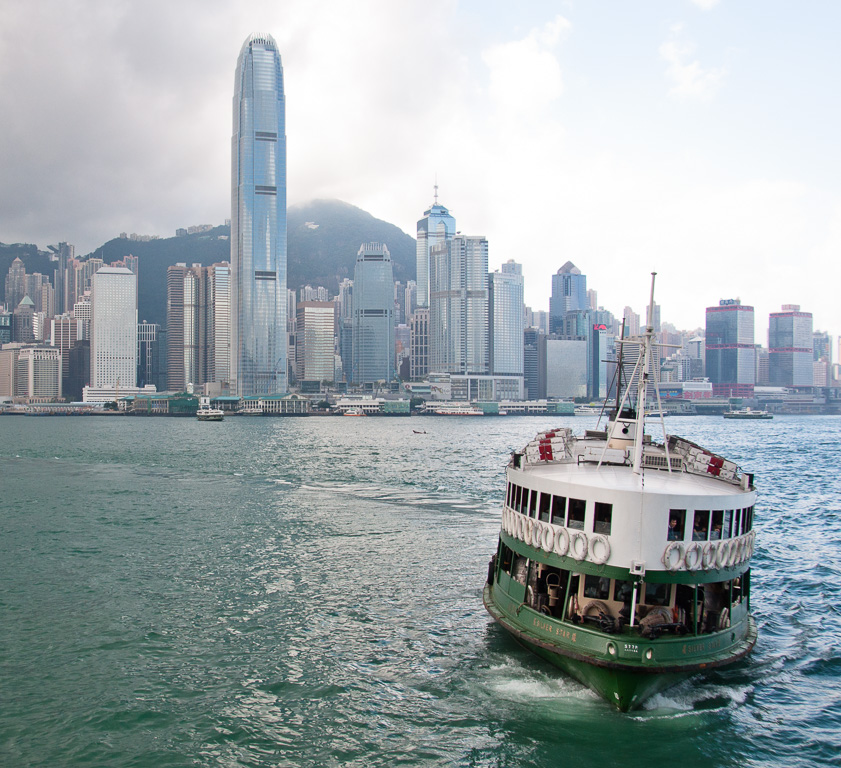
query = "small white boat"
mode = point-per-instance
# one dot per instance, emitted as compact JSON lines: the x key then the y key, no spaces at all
{"x":587,"y":410}
{"x":206,"y":413}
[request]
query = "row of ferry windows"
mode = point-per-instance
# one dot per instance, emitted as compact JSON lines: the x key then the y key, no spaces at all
{"x":708,"y":524}
{"x":558,"y":509}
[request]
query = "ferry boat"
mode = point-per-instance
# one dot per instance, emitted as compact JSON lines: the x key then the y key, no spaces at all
{"x":206,"y":413}
{"x":623,"y":561}
{"x":457,"y":409}
{"x":747,"y":413}
{"x":587,"y":410}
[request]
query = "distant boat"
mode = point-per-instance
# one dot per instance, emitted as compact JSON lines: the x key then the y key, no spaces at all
{"x":587,"y":410}
{"x":419,"y":431}
{"x":354,"y":412}
{"x":748,"y":413}
{"x":206,"y":413}
{"x":458,"y":409}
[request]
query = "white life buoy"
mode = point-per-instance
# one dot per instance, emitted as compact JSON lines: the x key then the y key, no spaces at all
{"x":721,"y":554}
{"x":561,"y":544}
{"x":576,"y":551}
{"x":548,"y":540}
{"x":536,"y":534}
{"x":732,"y":556}
{"x":527,"y":532}
{"x":521,"y":524}
{"x":595,"y":540}
{"x":672,"y":564}
{"x":693,"y":556}
{"x":710,"y":551}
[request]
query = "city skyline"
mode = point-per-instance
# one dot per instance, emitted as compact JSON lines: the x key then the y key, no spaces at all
{"x":691,"y":138}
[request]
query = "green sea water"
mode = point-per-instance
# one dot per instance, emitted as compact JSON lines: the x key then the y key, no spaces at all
{"x":307,"y":592}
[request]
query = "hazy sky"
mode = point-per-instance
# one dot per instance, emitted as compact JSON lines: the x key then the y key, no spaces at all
{"x":697,"y":138}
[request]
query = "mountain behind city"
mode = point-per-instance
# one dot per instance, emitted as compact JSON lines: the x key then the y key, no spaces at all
{"x":323,"y":240}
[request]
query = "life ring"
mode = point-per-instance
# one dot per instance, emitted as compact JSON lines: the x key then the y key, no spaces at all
{"x":724,"y":619}
{"x":721,"y":554}
{"x":505,"y":520}
{"x":529,"y":529}
{"x":521,"y":523}
{"x":733,"y":556}
{"x":670,"y":563}
{"x":694,"y":550}
{"x":752,"y":543}
{"x":579,"y":553}
{"x":710,"y":551}
{"x":548,"y":540}
{"x":572,"y":610}
{"x":596,"y":539}
{"x":561,"y":544}
{"x":598,"y":605}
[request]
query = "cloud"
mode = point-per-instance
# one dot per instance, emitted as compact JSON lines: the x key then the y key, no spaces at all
{"x":525,"y":74}
{"x":689,"y":79}
{"x":705,"y":5}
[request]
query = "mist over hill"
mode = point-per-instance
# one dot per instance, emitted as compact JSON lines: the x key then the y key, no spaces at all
{"x":323,"y":239}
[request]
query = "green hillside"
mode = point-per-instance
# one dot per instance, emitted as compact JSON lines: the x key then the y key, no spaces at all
{"x":323,"y":239}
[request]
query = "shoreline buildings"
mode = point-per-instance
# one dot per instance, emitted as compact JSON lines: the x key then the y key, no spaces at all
{"x":258,"y":222}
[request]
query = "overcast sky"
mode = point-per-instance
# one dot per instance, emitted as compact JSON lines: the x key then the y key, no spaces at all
{"x":695,"y":138}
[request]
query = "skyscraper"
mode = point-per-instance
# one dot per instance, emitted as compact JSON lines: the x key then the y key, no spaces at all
{"x":458,"y":306}
{"x":113,"y":328}
{"x":505,"y":309}
{"x":569,"y":293}
{"x":373,"y":315}
{"x":790,"y":350}
{"x":436,"y":226}
{"x":258,"y":222}
{"x":730,"y":351}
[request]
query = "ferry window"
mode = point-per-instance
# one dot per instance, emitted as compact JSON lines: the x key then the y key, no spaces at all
{"x":749,"y":511}
{"x":701,"y":526}
{"x":677,"y":518}
{"x":509,"y":497}
{"x":522,"y":499}
{"x":718,"y":521}
{"x":597,"y":587}
{"x":737,"y":522}
{"x":657,"y":594}
{"x":559,"y":510}
{"x":545,"y":507}
{"x":623,"y":591}
{"x":517,"y":494}
{"x":726,"y":531}
{"x":533,"y":504}
{"x":576,"y":513}
{"x":603,"y":515}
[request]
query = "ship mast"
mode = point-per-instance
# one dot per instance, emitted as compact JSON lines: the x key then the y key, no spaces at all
{"x":642,"y":380}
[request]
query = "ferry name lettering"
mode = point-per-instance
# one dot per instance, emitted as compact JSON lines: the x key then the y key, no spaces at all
{"x":552,"y":630}
{"x":710,"y":645}
{"x":632,"y":648}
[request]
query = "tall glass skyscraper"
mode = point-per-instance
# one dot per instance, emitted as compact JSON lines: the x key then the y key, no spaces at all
{"x":258,"y":222}
{"x":569,"y":293}
{"x":790,"y":350}
{"x":373,"y":315}
{"x":436,"y":226}
{"x":505,"y":310}
{"x":730,"y":350}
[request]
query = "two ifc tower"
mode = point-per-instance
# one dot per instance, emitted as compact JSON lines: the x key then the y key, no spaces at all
{"x":258,"y":222}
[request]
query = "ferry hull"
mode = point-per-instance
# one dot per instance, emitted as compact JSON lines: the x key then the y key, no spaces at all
{"x":626,"y":687}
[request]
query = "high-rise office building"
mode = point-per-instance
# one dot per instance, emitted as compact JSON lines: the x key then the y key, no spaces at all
{"x":113,"y":328}
{"x":258,"y":222}
{"x":198,"y":324}
{"x":505,"y":310}
{"x":730,"y":352}
{"x":15,"y":284}
{"x":458,"y":306}
{"x":569,"y":293}
{"x":534,"y":363}
{"x":790,"y":348}
{"x":436,"y":226}
{"x":314,"y":347}
{"x":419,"y":342}
{"x":373,"y":315}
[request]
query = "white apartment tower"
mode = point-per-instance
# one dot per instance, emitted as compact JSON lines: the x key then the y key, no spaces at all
{"x":114,"y":328}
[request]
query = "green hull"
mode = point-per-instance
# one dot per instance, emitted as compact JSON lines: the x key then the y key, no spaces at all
{"x":625,"y":684}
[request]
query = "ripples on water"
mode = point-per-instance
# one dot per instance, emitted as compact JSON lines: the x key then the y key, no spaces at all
{"x":307,"y":592}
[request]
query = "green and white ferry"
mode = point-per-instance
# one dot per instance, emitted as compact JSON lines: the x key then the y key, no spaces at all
{"x":621,"y":560}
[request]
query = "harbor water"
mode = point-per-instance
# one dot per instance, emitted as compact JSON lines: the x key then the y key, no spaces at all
{"x":307,"y":592}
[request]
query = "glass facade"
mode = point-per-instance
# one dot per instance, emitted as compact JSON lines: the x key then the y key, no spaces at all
{"x":373,"y":316}
{"x":730,"y":351}
{"x":436,"y":226}
{"x":790,"y":348}
{"x":258,"y":222}
{"x":569,"y":293}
